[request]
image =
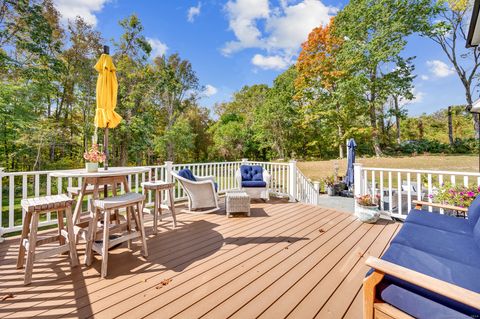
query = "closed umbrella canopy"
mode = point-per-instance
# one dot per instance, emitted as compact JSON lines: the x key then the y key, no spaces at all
{"x":349,"y":178}
{"x":107,"y":88}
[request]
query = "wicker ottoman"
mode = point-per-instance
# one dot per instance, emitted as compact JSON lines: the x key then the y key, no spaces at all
{"x":237,"y":202}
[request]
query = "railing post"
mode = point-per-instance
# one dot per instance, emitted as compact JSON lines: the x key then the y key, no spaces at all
{"x":292,"y":183}
{"x":244,"y":161}
{"x":316,"y":185}
{"x":168,"y":171}
{"x":357,"y":179}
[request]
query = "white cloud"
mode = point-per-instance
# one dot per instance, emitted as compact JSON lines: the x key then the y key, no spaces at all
{"x":418,"y":97}
{"x":193,"y":12}
{"x":424,"y":77}
{"x":440,"y":69}
{"x":277,"y":30}
{"x":272,"y":62}
{"x":158,"y":47}
{"x":70,"y":9}
{"x":210,"y":90}
{"x":243,"y":16}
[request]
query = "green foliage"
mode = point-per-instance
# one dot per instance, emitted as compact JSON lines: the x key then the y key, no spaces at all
{"x":351,"y":80}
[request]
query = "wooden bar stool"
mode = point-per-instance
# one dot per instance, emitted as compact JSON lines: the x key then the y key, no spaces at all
{"x":133,"y":203}
{"x":157,"y":187}
{"x":34,"y":207}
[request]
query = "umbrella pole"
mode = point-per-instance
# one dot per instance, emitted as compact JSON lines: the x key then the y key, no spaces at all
{"x":105,"y":143}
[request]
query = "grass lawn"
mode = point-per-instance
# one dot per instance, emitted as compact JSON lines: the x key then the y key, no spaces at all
{"x":317,"y":170}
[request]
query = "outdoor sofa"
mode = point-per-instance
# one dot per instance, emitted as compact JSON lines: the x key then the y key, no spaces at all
{"x":430,"y":270}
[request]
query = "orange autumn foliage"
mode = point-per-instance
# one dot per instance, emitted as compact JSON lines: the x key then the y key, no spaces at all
{"x":317,"y":62}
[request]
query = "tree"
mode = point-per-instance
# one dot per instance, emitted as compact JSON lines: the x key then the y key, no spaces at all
{"x":320,"y":76}
{"x":175,"y":89}
{"x":375,"y":34}
{"x":277,"y":119}
{"x":448,"y":28}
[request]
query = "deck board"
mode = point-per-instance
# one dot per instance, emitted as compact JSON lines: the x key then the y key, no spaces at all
{"x":288,"y":259}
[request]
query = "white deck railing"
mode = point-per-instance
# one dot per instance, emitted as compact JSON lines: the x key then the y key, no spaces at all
{"x":397,"y":188}
{"x":286,"y":180}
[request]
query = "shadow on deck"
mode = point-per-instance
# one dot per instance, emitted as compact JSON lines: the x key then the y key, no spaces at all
{"x":289,"y":260}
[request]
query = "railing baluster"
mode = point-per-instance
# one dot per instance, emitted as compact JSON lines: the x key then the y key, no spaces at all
{"x":390,"y":197}
{"x":24,"y":191}
{"x":37,"y":185}
{"x":429,"y":176}
{"x":48,"y":191}
{"x":11,"y":201}
{"x":419,"y":186}
{"x":440,"y":184}
{"x":399,"y":190}
{"x":465,"y":181}
{"x":409,"y":191}
{"x":381,"y":191}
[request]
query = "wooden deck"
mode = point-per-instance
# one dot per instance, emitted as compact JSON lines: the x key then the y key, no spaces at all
{"x":288,"y":260}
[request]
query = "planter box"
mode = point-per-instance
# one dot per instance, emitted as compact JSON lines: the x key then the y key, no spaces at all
{"x":367,"y":214}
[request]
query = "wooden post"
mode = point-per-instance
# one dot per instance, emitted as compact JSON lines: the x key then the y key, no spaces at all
{"x":168,"y":171}
{"x":292,"y":180}
{"x":316,"y":185}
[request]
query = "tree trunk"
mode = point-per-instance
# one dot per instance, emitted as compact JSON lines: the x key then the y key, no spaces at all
{"x":420,"y":129}
{"x":340,"y":142}
{"x":450,"y":125}
{"x":475,"y":119}
{"x":397,"y":119}
{"x":373,"y":115}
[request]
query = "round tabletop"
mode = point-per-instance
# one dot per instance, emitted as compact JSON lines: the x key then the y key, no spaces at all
{"x":112,"y":171}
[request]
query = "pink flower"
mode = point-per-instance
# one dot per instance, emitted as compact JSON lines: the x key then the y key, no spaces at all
{"x":470,"y":194}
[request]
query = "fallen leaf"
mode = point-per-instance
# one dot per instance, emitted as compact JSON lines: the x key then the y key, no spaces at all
{"x":321,"y":230}
{"x":7,"y":296}
{"x":163,"y":283}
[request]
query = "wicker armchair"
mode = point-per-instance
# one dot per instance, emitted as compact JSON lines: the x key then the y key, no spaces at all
{"x":201,"y":191}
{"x":254,"y":180}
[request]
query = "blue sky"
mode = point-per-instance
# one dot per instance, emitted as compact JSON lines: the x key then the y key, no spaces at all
{"x":232,"y":43}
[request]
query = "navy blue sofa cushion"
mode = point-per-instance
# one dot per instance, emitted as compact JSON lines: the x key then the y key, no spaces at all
{"x":419,"y":302}
{"x":254,"y":184}
{"x":453,"y":246}
{"x":473,"y":213}
{"x":251,"y":173}
{"x":187,"y":174}
{"x":438,"y":221}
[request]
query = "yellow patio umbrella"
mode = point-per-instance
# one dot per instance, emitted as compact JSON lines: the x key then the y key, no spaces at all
{"x":107,"y":89}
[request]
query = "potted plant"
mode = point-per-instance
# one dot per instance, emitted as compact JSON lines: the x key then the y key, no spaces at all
{"x":366,"y":209}
{"x":455,"y":195}
{"x":92,"y":157}
{"x":330,"y":185}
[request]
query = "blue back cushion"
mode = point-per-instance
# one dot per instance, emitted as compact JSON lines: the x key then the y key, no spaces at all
{"x":474,"y":211}
{"x":476,"y":234}
{"x":187,"y":174}
{"x":251,"y":173}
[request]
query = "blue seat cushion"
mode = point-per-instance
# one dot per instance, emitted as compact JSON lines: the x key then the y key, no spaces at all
{"x":473,"y":213}
{"x":187,"y":174}
{"x":438,"y":221}
{"x":251,"y":173}
{"x":254,"y":184}
{"x":453,"y":246}
{"x":421,"y":303}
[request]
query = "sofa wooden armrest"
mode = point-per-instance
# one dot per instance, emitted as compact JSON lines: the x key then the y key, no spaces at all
{"x":419,"y":204}
{"x":382,"y":267}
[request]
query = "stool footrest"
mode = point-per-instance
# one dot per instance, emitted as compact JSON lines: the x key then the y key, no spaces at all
{"x":98,"y":247}
{"x":52,"y":252}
